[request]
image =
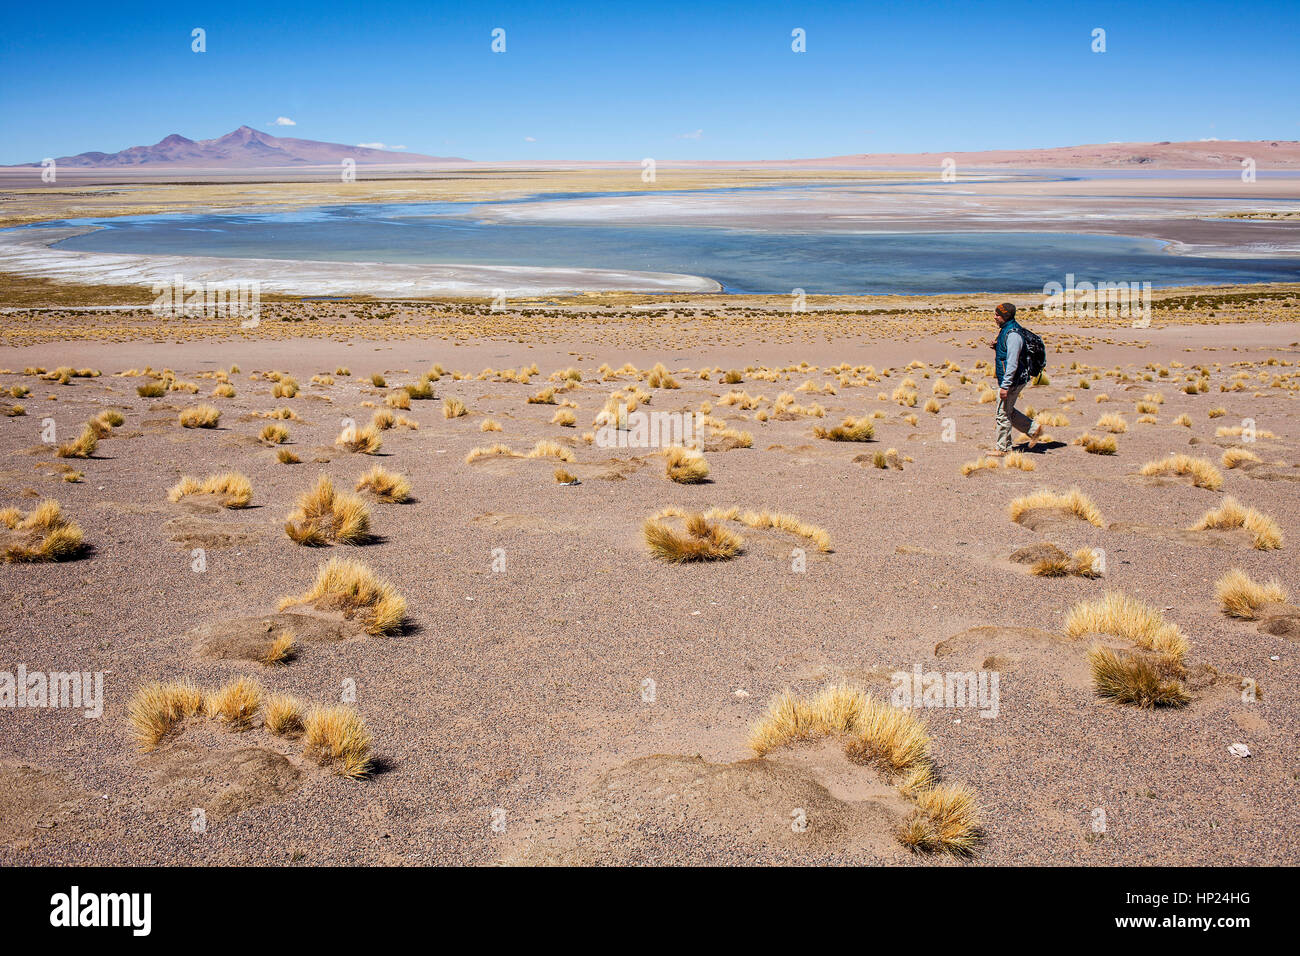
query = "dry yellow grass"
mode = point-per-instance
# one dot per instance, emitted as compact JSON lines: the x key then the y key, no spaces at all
{"x":946,"y":818}
{"x":273,"y":435}
{"x":1020,"y":460}
{"x":1136,"y":679}
{"x":1097,"y":444}
{"x":324,"y":515}
{"x":851,"y":429}
{"x":550,"y":449}
{"x":488,"y":425}
{"x":1241,"y":596}
{"x":1113,"y":423}
{"x":1202,"y":472}
{"x":234,"y":703}
{"x":281,"y":651}
{"x":490,"y":451}
{"x":1232,"y":514}
{"x":385,"y":485}
{"x":354,"y":590}
{"x":979,"y":464}
{"x":564,"y":417}
{"x":686,"y":466}
{"x":282,"y":715}
{"x":200,"y":416}
{"x":83,"y":447}
{"x":1236,"y":457}
{"x":337,"y":737}
{"x":1237,"y":431}
{"x":41,"y":535}
{"x":1084,"y":563}
{"x":892,"y":740}
{"x":154,"y":710}
{"x":364,"y":441}
{"x":231,"y":488}
{"x":286,"y":387}
{"x":1128,"y":618}
{"x":702,"y":540}
{"x":1073,"y":502}
{"x":453,"y":408}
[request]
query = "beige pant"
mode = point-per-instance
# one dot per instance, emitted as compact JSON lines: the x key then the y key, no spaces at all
{"x":1009,"y":417}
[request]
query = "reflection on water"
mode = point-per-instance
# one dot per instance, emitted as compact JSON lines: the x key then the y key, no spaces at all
{"x":742,"y":261}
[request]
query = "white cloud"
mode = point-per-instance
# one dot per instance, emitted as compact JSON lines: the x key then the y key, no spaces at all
{"x":698,"y":134}
{"x":284,"y":121}
{"x":530,"y":139}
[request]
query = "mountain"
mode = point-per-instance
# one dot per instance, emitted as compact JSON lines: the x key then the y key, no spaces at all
{"x":245,"y":148}
{"x":1201,"y":154}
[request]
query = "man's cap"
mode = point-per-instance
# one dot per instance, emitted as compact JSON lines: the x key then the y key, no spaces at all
{"x":1006,"y":310}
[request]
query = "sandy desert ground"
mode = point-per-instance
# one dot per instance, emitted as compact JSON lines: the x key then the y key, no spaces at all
{"x":552,"y":692}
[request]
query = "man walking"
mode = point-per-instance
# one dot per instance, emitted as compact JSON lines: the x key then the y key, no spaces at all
{"x":1012,"y":371}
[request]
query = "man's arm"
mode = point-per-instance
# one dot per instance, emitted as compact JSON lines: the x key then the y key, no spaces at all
{"x":1015,"y":346}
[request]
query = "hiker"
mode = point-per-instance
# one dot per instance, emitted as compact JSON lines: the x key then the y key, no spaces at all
{"x":1014,"y":368}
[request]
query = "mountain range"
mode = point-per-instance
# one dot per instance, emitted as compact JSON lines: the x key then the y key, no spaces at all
{"x":245,"y":148}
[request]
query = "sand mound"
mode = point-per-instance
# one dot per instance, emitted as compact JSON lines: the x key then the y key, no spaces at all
{"x":249,"y":638}
{"x":806,"y":803}
{"x":190,"y":531}
{"x":221,"y":783}
{"x":1282,"y":625}
{"x":1043,"y":551}
{"x":38,"y":804}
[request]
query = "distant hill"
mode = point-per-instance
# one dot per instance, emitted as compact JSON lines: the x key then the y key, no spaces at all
{"x":1204,"y":154}
{"x":245,"y":148}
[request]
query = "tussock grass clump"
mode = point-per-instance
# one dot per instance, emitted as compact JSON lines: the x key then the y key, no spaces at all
{"x":1073,"y":502}
{"x":550,"y":449}
{"x":1097,"y":444}
{"x":337,"y":736}
{"x":362,"y":441}
{"x":234,"y":703}
{"x":273,"y":435}
{"x":1237,"y":431}
{"x":41,"y":535}
{"x":733,"y":377}
{"x":490,"y":451}
{"x":979,"y":464}
{"x":1240,"y":596}
{"x":287,"y":387}
{"x":1051,"y":420}
{"x":851,"y":429}
{"x":1202,"y":473}
{"x":224,"y":390}
{"x":760,"y":520}
{"x":399,"y":398}
{"x":281,"y":651}
{"x":564,"y":477}
{"x":1084,"y":563}
{"x":1184,"y":420}
{"x":83,"y":447}
{"x":1136,"y":679}
{"x":702,"y":540}
{"x":382,"y":420}
{"x":686,"y":466}
{"x":200,"y":416}
{"x":1020,"y":461}
{"x":378,"y":381}
{"x":1126,"y":617}
{"x":565,"y":418}
{"x":545,"y":397}
{"x":324,"y":515}
{"x":352,"y":588}
{"x":892,"y":740}
{"x":385,"y":485}
{"x":453,"y":408}
{"x":282,"y":715}
{"x":155,"y":709}
{"x":946,"y":818}
{"x":1232,"y":514}
{"x":488,"y":425}
{"x":233,"y":489}
{"x":1113,"y":423}
{"x":151,"y":390}
{"x":1236,"y":457}
{"x":285,"y":457}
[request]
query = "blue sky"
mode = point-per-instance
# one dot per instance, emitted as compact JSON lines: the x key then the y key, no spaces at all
{"x":671,"y":80}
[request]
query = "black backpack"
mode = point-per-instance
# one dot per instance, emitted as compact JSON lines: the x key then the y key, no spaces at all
{"x":1034,"y":356}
